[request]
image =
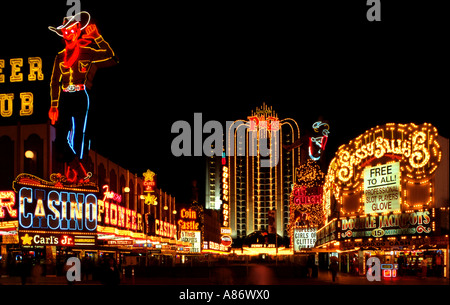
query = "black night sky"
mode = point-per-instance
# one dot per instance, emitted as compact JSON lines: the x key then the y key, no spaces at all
{"x":318,"y":59}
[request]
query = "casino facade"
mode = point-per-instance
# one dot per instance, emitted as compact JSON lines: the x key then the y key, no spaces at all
{"x":42,"y":218}
{"x":386,"y":195}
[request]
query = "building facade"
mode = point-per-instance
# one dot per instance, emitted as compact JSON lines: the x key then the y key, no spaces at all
{"x":213,"y":199}
{"x":386,"y":195}
{"x":261,"y":171}
{"x":124,"y":221}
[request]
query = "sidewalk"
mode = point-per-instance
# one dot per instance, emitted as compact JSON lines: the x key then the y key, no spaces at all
{"x":43,"y":280}
{"x":324,"y":278}
{"x":349,"y":279}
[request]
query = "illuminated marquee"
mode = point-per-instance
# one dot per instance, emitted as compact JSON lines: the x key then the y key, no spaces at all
{"x":149,"y":184}
{"x":16,"y":76}
{"x":7,"y":204}
{"x":310,"y":195}
{"x":304,"y":238}
{"x":51,"y":239}
{"x":225,"y":197}
{"x":188,"y":220}
{"x":149,"y":181}
{"x":57,"y":210}
{"x":306,"y":205}
{"x":393,"y":224}
{"x":210,"y":245}
{"x":194,"y":238}
{"x":266,"y":123}
{"x":306,"y":200}
{"x":414,"y":147}
{"x":45,"y":207}
{"x":165,"y":229}
{"x":111,"y":213}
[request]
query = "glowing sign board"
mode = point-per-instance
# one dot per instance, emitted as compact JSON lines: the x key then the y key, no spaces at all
{"x":149,"y":181}
{"x":111,"y":213}
{"x":165,"y":229}
{"x":304,"y":238}
{"x":16,"y":69}
{"x":52,"y":239}
{"x":55,"y":210}
{"x":319,"y":142}
{"x":8,"y":211}
{"x":392,"y":224}
{"x":307,"y":195}
{"x":382,"y":188}
{"x":188,"y":220}
{"x":43,"y":206}
{"x":415,"y":146}
{"x":193,"y":237}
{"x":269,"y":123}
{"x":149,"y":185}
{"x":416,"y":150}
{"x":225,"y":197}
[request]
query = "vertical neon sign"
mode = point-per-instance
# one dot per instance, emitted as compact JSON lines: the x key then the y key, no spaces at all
{"x":225,"y":196}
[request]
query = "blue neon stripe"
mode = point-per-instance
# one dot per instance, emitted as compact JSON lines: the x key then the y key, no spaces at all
{"x":71,"y":135}
{"x":84,"y":127}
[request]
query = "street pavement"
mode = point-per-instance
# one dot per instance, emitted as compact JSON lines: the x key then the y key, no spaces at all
{"x":262,"y":276}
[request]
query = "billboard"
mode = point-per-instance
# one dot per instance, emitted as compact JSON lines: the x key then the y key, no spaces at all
{"x":193,"y":237}
{"x":24,"y":83}
{"x":48,"y":206}
{"x":382,"y":188}
{"x":304,"y":238}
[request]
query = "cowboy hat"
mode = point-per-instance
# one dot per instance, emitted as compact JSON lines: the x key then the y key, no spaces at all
{"x":82,"y":17}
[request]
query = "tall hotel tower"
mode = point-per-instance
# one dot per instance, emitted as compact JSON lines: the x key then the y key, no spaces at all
{"x":261,"y":171}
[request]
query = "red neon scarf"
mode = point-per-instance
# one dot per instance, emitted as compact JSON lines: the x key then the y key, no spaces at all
{"x":68,"y":62}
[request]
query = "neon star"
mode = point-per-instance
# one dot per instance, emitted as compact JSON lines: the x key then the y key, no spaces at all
{"x":26,"y":240}
{"x":149,"y":175}
{"x":150,"y":200}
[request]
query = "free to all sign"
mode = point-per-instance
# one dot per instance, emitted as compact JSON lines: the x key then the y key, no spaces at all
{"x":382,"y":188}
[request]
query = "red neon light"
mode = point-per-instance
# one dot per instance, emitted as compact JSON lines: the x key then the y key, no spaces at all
{"x":269,"y":123}
{"x":324,"y":142}
{"x":111,"y":195}
{"x":72,"y":65}
{"x":225,"y":196}
{"x":149,"y":185}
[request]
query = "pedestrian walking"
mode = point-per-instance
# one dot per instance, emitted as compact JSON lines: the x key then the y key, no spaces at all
{"x":310,"y":265}
{"x":424,"y":266}
{"x":24,"y":268}
{"x":111,"y":274}
{"x":334,"y":269}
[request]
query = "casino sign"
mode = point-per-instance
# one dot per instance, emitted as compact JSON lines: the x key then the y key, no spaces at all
{"x":388,"y":168}
{"x":49,"y":213}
